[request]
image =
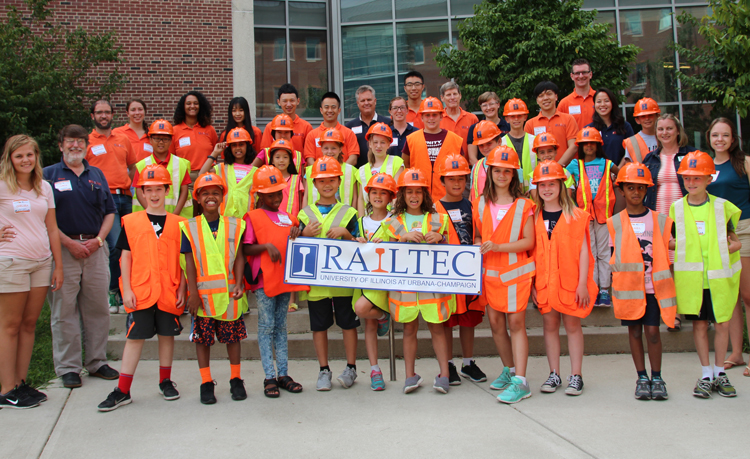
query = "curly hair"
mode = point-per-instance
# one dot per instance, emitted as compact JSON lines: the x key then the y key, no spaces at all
{"x":400,"y":207}
{"x":205,"y":111}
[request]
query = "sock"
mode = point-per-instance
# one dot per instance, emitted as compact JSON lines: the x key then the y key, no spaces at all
{"x":381,"y":317}
{"x":708,"y":372}
{"x":165,"y":373}
{"x":206,"y":375}
{"x":655,"y":374}
{"x":124,"y":383}
{"x":235,"y":371}
{"x":375,"y":368}
{"x":325,"y":368}
{"x":718,"y":371}
{"x":352,"y":366}
{"x":643,"y":373}
{"x":452,"y":362}
{"x":467,"y":361}
{"x":512,"y":370}
{"x":522,"y":378}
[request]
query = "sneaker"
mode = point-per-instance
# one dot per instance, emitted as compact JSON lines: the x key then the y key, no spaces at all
{"x":411,"y":384}
{"x":207,"y":393}
{"x":723,"y":386}
{"x":115,"y":301}
{"x":114,"y":400}
{"x":575,"y":385}
{"x":441,"y":384}
{"x":168,"y":390}
{"x":643,"y":388}
{"x":237,"y":389}
{"x":604,"y":299}
{"x":453,"y":378}
{"x":347,"y":377}
{"x":703,"y":388}
{"x":473,"y":373}
{"x":598,"y":301}
{"x":376,"y":381}
{"x":18,"y":400}
{"x":516,"y":392}
{"x":324,"y":380}
{"x":658,"y":389}
{"x":384,"y":325}
{"x":552,"y":383}
{"x":32,"y":392}
{"x":503,"y":381}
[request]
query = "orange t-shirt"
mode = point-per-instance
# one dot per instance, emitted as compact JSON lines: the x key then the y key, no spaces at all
{"x":193,"y":144}
{"x":561,"y":125}
{"x":112,"y":155}
{"x":582,"y":109}
{"x":141,"y":145}
{"x":460,"y":126}
{"x":300,"y":130}
{"x":414,"y":118}
{"x":312,"y":147}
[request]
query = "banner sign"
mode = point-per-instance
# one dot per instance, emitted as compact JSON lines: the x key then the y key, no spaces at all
{"x":393,"y":266}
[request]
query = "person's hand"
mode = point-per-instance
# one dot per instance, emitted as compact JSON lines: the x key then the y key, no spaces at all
{"x":361,"y":240}
{"x":78,"y":250}
{"x":92,"y":245}
{"x":433,"y":237}
{"x":488,"y":246}
{"x":194,"y":302}
{"x":239,"y":289}
{"x":582,"y":296}
{"x":128,"y":299}
{"x":294,"y":232}
{"x":412,"y":236}
{"x":312,"y":230}
{"x":533,"y":295}
{"x":335,"y":233}
{"x":733,"y":245}
{"x":273,"y":252}
{"x":181,"y":295}
{"x":7,"y":233}
{"x":376,"y":240}
{"x":218,"y":149}
{"x":57,"y":278}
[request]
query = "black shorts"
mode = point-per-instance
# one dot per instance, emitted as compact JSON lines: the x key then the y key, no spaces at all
{"x":323,"y":311}
{"x":227,"y":331}
{"x":707,"y":309}
{"x":652,"y":316}
{"x":145,"y":323}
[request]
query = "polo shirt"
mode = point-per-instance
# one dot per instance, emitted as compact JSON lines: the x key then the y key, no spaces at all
{"x":414,"y":118}
{"x":185,"y":179}
{"x":561,"y":125}
{"x":613,"y":149}
{"x":141,"y":146}
{"x":300,"y":129}
{"x":399,"y":139}
{"x":193,"y":143}
{"x":312,"y":146}
{"x":460,"y":126}
{"x":81,"y":201}
{"x":580,"y":108}
{"x":359,"y":128}
{"x":112,"y":155}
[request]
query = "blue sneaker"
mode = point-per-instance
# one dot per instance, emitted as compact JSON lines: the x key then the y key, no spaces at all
{"x":516,"y":392}
{"x":604,"y":299}
{"x":384,"y":324}
{"x":376,"y":381}
{"x":503,"y":381}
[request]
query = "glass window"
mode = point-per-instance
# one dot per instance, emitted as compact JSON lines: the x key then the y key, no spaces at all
{"x":415,"y":43}
{"x":463,"y":7}
{"x":696,"y":118}
{"x":307,"y":14}
{"x":642,"y":2}
{"x":309,"y":74}
{"x":421,"y":8}
{"x":607,"y":17}
{"x":599,"y":3}
{"x":654,"y":76}
{"x":689,"y":38}
{"x":269,"y":12}
{"x":270,"y":73}
{"x":456,"y":38}
{"x":367,"y":54}
{"x":365,"y":10}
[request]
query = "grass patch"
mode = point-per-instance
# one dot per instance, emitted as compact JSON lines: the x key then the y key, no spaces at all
{"x":42,"y":367}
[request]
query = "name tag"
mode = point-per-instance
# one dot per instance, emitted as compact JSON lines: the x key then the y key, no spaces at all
{"x":574,"y":110}
{"x":715,"y":176}
{"x":283,"y":218}
{"x":540,"y":130}
{"x":410,"y":123}
{"x":638,"y":227}
{"x":501,"y":213}
{"x":240,"y":173}
{"x":98,"y":150}
{"x":417,"y":227}
{"x":701,"y":227}
{"x":317,"y":143}
{"x":357,"y":129}
{"x":546,"y":225}
{"x":63,"y":185}
{"x":455,"y":215}
{"x":21,"y":205}
{"x":394,"y":143}
{"x":185,"y":142}
{"x":147,"y":147}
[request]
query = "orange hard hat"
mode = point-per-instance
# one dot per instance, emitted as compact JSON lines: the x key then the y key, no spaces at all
{"x":697,"y":163}
{"x":515,"y":107}
{"x":282,"y":122}
{"x":154,"y":174}
{"x":634,"y":173}
{"x":382,"y":181}
{"x":208,"y":179}
{"x":548,"y":170}
{"x":413,"y":177}
{"x":281,"y":144}
{"x":238,"y":135}
{"x":484,"y":132}
{"x":268,"y":179}
{"x":589,"y":134}
{"x":455,"y":164}
{"x":544,"y":140}
{"x":503,"y":156}
{"x":331,"y":135}
{"x":380,"y":129}
{"x":646,"y":106}
{"x":325,"y":167}
{"x":163,"y":127}
{"x":431,"y":105}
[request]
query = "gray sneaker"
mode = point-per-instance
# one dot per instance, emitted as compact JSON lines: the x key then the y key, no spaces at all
{"x":724,"y":387}
{"x":324,"y":380}
{"x":347,"y":377}
{"x":659,"y":389}
{"x":643,"y":388}
{"x":441,"y":384}
{"x":703,"y":388}
{"x":411,"y":384}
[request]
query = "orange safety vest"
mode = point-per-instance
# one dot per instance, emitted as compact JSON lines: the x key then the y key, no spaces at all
{"x":155,"y":272}
{"x":290,"y":202}
{"x":628,"y":281}
{"x":557,"y":264}
{"x":420,"y":158}
{"x":506,"y":276}
{"x":601,"y":206}
{"x":636,"y":147}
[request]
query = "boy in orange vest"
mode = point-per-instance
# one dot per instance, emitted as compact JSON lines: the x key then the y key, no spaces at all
{"x":152,"y":285}
{"x":642,"y":284}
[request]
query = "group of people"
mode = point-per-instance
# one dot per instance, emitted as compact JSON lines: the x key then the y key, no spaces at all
{"x":570,"y":209}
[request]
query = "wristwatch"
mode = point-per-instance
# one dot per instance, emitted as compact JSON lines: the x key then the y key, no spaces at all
{"x":101,"y":243}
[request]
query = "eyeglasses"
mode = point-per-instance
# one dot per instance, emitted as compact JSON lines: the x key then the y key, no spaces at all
{"x":400,"y":108}
{"x":160,"y":139}
{"x":103,"y":112}
{"x":487,"y":105}
{"x":412,"y":85}
{"x":580,"y":73}
{"x":74,"y":141}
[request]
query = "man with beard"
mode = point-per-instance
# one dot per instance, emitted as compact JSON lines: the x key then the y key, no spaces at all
{"x":85,"y":212}
{"x":112,"y":153}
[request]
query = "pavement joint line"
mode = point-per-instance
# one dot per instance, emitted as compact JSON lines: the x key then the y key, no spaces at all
{"x":54,"y":426}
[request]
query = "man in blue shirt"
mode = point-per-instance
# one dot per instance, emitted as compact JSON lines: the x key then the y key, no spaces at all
{"x":366,"y":103}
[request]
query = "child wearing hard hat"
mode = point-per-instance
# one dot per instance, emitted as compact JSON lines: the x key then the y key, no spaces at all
{"x":545,"y":148}
{"x":486,"y":139}
{"x":331,"y":142}
{"x":516,"y":113}
{"x":637,"y":147}
{"x":379,"y":138}
{"x":282,"y":128}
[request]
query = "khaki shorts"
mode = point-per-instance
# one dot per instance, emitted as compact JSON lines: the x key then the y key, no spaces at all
{"x":743,"y":233}
{"x":23,"y":274}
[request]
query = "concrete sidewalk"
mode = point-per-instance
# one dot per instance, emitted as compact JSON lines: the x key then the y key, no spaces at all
{"x":605,"y":421}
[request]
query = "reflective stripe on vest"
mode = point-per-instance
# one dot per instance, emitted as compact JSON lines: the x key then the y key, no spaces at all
{"x":177,"y":169}
{"x":584,"y":192}
{"x":292,"y":197}
{"x":528,"y":162}
{"x":635,"y":148}
{"x":365,"y":173}
{"x":476,"y":173}
{"x":680,"y":253}
{"x":619,"y":266}
{"x":346,"y":188}
{"x":237,"y":201}
{"x":399,"y":228}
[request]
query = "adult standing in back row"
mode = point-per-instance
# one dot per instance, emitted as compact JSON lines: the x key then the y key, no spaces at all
{"x":366,"y":102}
{"x":289,"y":102}
{"x":414,"y":87}
{"x":580,"y":103}
{"x":559,"y":124}
{"x":455,"y":118}
{"x":194,"y":137}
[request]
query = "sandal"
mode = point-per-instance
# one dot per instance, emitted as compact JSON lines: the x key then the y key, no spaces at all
{"x":288,"y":384}
{"x":271,"y":388}
{"x":677,"y":325}
{"x":731,"y":364}
{"x":746,"y":373}
{"x":293,"y":307}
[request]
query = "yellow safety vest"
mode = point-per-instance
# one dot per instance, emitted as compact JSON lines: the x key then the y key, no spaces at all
{"x":177,"y":169}
{"x":346,"y":188}
{"x":237,"y":201}
{"x":377,"y":297}
{"x":528,"y":159}
{"x":390,"y":166}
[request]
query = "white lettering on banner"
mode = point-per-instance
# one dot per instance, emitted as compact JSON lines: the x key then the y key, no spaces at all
{"x":393,"y":266}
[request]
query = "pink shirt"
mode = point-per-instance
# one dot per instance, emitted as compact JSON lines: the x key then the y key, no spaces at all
{"x":26,"y":212}
{"x":502,"y":210}
{"x":250,"y":238}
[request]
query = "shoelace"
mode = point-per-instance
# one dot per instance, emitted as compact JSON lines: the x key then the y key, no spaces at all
{"x":705,"y":385}
{"x":723,"y":381}
{"x":553,"y":380}
{"x":575,"y":381}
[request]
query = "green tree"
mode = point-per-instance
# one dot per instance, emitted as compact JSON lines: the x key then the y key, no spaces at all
{"x":720,"y":69}
{"x":511,"y":45}
{"x":49,"y":73}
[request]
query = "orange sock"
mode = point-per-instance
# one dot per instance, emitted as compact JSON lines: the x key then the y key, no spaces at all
{"x":206,"y":375}
{"x":235,"y":371}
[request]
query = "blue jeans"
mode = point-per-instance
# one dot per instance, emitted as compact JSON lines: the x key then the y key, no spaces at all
{"x":272,"y":332}
{"x":123,"y":206}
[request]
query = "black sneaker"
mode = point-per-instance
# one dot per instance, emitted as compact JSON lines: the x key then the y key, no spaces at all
{"x":18,"y":400}
{"x":168,"y":390}
{"x":453,"y":378}
{"x":114,"y":400}
{"x":237,"y":389}
{"x":473,"y":373}
{"x":207,"y":393}
{"x":32,"y":392}
{"x":106,"y":372}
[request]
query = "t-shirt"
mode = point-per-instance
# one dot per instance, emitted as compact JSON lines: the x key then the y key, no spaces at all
{"x":498,"y":212}
{"x":668,"y":189}
{"x":434,"y":144}
{"x":650,"y":143}
{"x":26,"y":212}
{"x":157,"y":222}
{"x":460,"y":214}
{"x":732,"y":187}
{"x":370,"y":227}
{"x":352,"y":226}
{"x":643,"y":227}
{"x":594,"y":172}
{"x":185,"y":243}
{"x":250,"y":238}
{"x":413,"y":222}
{"x":550,"y":220}
{"x":241,"y":171}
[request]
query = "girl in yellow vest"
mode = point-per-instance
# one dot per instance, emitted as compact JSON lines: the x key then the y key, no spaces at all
{"x":237,"y":172}
{"x":415,"y":220}
{"x":564,"y":284}
{"x":504,"y":228}
{"x":516,"y":113}
{"x":545,"y":148}
{"x":379,"y":138}
{"x":281,"y":129}
{"x":642,"y":282}
{"x":331,"y":142}
{"x":372,"y":305}
{"x":706,"y":254}
{"x":215,"y":282}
